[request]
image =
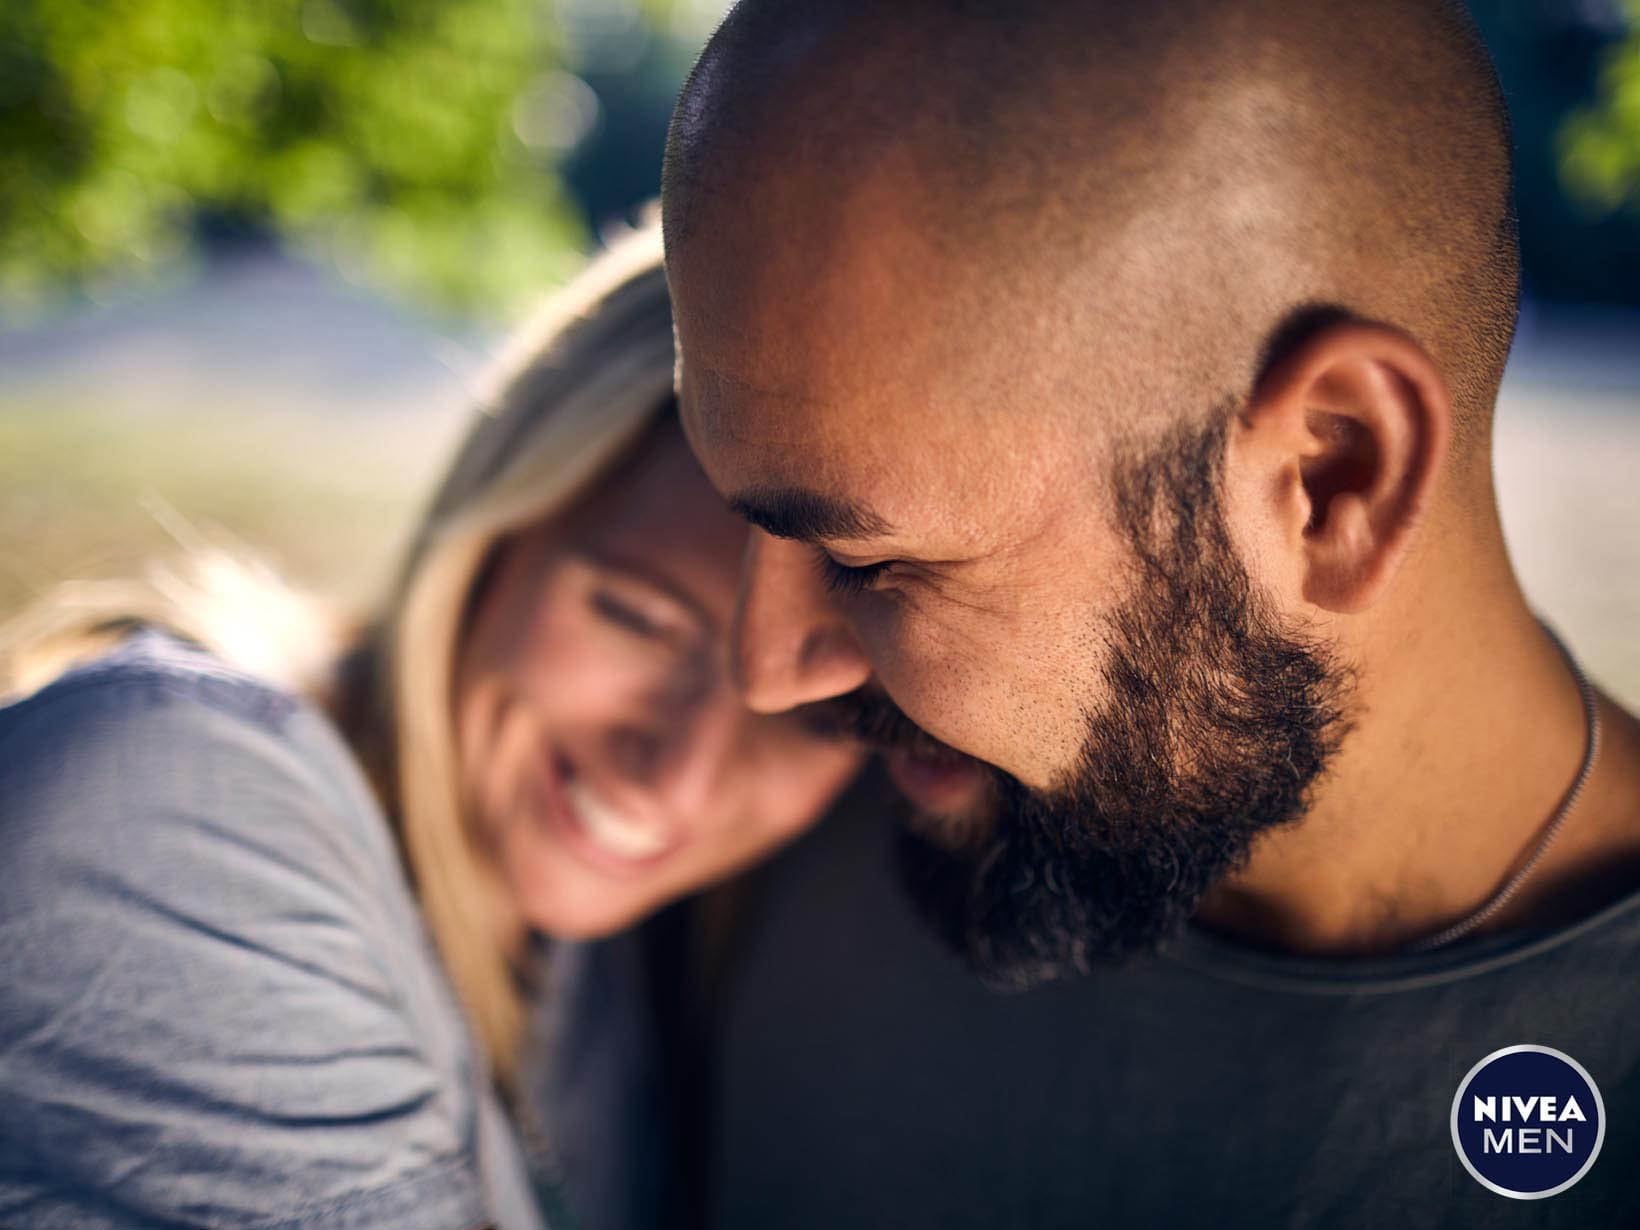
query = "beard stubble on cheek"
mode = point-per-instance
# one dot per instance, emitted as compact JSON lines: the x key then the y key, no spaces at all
{"x":1216,"y":723}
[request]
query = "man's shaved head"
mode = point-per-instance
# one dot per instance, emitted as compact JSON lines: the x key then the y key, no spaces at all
{"x":1088,"y":369}
{"x":1189,"y":172}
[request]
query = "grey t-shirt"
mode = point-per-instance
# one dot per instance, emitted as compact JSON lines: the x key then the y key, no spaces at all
{"x":864,"y":1078}
{"x":218,"y":1005}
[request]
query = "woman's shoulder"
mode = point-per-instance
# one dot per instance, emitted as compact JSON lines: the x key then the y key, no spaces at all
{"x":156,"y":730}
{"x":158,"y":773}
{"x":148,"y":673}
{"x":203,"y":924}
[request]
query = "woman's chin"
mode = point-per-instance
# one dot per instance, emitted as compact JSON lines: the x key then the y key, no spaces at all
{"x":572,"y":886}
{"x":571,"y":907}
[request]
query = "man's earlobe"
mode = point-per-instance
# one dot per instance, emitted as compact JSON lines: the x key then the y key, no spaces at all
{"x":1357,"y":418}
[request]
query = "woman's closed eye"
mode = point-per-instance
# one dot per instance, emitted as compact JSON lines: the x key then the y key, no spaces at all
{"x":627,"y":617}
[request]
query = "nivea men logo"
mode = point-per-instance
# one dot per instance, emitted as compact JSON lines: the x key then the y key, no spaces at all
{"x":1528,"y":1122}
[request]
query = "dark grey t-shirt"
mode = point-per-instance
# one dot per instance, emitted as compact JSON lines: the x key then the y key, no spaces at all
{"x":218,"y":1006}
{"x":866,"y":1079}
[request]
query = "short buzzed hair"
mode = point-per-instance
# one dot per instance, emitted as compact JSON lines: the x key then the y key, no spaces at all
{"x":1360,"y":151}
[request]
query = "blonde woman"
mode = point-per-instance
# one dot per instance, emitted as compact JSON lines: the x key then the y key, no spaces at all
{"x":217,"y":1003}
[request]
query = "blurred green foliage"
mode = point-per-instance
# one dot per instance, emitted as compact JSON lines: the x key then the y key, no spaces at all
{"x":412,"y":142}
{"x":459,"y":151}
{"x":1600,"y":144}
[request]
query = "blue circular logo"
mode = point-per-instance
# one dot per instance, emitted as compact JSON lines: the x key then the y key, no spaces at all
{"x":1528,"y":1122}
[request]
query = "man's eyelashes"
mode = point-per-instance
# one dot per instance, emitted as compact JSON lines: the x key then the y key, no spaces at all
{"x":848,"y":579}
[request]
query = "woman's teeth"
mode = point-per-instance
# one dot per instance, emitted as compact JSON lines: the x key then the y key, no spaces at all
{"x":612,"y":829}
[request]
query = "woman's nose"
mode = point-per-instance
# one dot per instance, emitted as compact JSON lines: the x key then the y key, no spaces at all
{"x":682,"y":755}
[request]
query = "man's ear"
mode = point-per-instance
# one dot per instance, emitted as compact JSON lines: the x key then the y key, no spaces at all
{"x":1343,"y":441}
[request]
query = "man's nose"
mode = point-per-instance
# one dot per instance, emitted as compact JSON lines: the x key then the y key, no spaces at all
{"x":790,"y":644}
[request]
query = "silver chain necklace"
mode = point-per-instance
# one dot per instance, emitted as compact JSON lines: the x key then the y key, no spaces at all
{"x":1489,"y":907}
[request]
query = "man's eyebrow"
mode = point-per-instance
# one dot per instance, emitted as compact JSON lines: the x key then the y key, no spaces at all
{"x":797,"y":512}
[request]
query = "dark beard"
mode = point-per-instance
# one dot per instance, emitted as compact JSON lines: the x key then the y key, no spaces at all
{"x":1218,"y":723}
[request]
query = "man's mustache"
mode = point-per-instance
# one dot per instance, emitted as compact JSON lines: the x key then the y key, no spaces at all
{"x":873,"y":719}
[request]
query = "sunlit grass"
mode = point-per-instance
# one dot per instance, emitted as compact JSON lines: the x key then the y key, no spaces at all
{"x":85,"y":493}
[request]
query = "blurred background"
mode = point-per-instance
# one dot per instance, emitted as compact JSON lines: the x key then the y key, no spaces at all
{"x":254,"y":256}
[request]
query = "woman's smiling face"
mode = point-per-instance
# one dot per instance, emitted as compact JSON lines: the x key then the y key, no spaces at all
{"x":606,"y":758}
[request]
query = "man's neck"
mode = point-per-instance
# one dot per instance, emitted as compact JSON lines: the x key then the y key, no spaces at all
{"x":1463,"y":749}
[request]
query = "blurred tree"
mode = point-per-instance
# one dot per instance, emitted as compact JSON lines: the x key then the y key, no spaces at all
{"x":460,"y":151}
{"x":634,"y":55}
{"x":1548,"y":54}
{"x":1600,"y":145}
{"x":413,"y":142}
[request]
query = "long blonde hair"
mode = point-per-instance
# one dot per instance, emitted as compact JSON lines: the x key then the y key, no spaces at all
{"x":572,"y":393}
{"x":576,"y":391}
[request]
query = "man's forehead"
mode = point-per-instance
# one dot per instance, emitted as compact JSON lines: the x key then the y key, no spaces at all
{"x":722,"y":408}
{"x":882,"y":470}
{"x":749,"y":436}
{"x":838,"y":346}
{"x":773,"y":347}
{"x":781,"y":262}
{"x":845,"y":303}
